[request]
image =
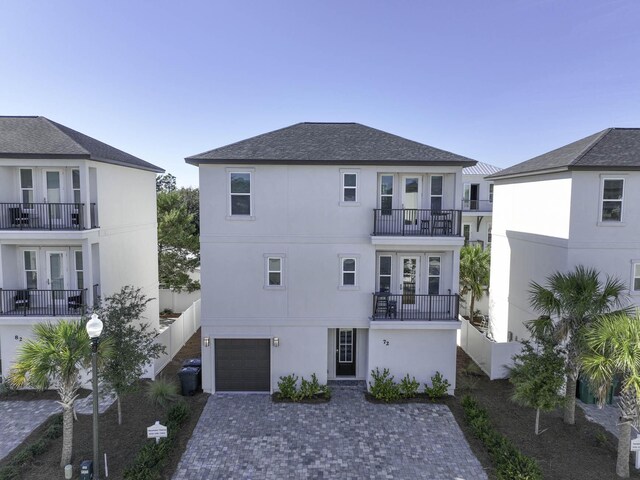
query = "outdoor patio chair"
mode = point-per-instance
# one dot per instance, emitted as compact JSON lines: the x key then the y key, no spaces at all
{"x":74,"y":302}
{"x":18,"y":217}
{"x":22,"y":299}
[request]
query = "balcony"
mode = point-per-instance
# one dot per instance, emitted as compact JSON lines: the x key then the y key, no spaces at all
{"x":412,"y":306}
{"x":416,"y":222}
{"x":45,"y":216}
{"x":42,"y":303}
{"x":477,"y":206}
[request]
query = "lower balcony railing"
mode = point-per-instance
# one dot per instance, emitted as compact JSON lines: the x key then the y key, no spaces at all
{"x":387,"y":306}
{"x":45,"y":216}
{"x":42,"y":303}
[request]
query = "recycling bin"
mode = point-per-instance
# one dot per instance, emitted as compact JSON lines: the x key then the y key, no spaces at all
{"x":195,"y":362}
{"x":189,"y":380}
{"x":86,"y":470}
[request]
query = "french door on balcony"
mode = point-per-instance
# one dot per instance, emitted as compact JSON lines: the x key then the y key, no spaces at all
{"x":54,"y":195}
{"x":410,"y":280}
{"x":411,"y":195}
{"x":56,"y":279}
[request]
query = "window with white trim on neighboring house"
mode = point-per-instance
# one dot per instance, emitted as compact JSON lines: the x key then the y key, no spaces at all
{"x":434,"y":275}
{"x":75,"y":184}
{"x":436,"y":192}
{"x":636,"y":277}
{"x":491,"y":193}
{"x":79,"y":269}
{"x":386,"y":194}
{"x":348,"y":267}
{"x":240,"y":192}
{"x":26,"y":185}
{"x":384,"y":273}
{"x":274,"y":271}
{"x":612,"y":195}
{"x":30,"y":269}
{"x":349,"y":187}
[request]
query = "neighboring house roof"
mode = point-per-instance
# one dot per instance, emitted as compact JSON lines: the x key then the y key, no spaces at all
{"x":610,"y":149}
{"x":329,"y":143}
{"x":481,"y":168}
{"x":39,"y":137}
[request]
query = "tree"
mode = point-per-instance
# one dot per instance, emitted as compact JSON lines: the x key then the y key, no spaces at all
{"x":133,"y":340}
{"x":569,"y":303}
{"x":538,"y":376}
{"x":54,"y":357}
{"x":612,"y":347}
{"x":474,"y":273}
{"x":165,"y":183}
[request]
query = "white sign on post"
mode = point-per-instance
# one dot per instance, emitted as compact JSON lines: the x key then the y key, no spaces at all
{"x":157,"y":431}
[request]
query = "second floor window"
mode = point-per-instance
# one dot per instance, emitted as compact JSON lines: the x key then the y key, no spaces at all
{"x":436,"y":192}
{"x":240,"y":190}
{"x":350,"y":187}
{"x":75,"y":183}
{"x":274,"y":274}
{"x":386,"y":194}
{"x":612,"y":192}
{"x":348,"y":271}
{"x":26,"y":185}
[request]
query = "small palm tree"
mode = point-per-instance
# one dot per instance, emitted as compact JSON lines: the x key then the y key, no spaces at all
{"x":569,"y":303}
{"x":54,"y":357}
{"x":613,"y":348}
{"x":474,"y":273}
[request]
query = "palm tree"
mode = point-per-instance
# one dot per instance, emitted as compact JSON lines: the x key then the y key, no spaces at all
{"x":474,"y":273}
{"x":54,"y":357}
{"x":612,"y":347}
{"x":569,"y":302}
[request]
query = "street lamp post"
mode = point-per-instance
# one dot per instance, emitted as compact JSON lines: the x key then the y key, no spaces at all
{"x":94,"y":329}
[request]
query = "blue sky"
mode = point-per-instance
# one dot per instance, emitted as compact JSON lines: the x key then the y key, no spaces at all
{"x":499,"y":81}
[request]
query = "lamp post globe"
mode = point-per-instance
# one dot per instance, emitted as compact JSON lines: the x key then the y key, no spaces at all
{"x":94,"y":326}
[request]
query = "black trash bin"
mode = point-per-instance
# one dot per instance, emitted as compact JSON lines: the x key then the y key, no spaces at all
{"x":195,"y":362}
{"x":86,"y":470}
{"x":189,"y":380}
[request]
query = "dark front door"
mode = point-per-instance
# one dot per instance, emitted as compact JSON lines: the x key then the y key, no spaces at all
{"x":346,"y":352}
{"x":242,"y":365}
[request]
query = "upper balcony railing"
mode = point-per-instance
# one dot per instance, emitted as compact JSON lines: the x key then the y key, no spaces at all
{"x":411,"y":306}
{"x":42,"y":303}
{"x":45,"y":216}
{"x":417,"y":222}
{"x":477,"y":205}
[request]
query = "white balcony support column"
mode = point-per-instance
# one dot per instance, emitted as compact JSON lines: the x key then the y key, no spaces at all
{"x":87,"y":271}
{"x":85,"y":195}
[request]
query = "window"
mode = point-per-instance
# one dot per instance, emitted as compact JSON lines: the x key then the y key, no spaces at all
{"x":79,"y":271}
{"x":349,"y":187}
{"x":386,"y":194}
{"x":466,"y":233}
{"x":491,"y":193}
{"x":434,"y":275}
{"x":26,"y":185}
{"x":436,"y":192}
{"x":240,"y":190}
{"x":612,"y":191}
{"x":636,"y":277}
{"x":348,"y":271}
{"x":274,"y":271}
{"x":30,"y":269}
{"x":384,"y":273}
{"x":75,"y":183}
{"x":489,"y":234}
{"x":346,"y":345}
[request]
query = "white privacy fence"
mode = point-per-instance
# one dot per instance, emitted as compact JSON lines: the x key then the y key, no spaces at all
{"x":177,"y":302}
{"x":493,"y":358}
{"x":174,"y":336}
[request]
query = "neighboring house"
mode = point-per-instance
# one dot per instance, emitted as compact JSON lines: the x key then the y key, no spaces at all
{"x":328,"y":248}
{"x":477,"y":204}
{"x":577,"y":205}
{"x":77,"y":221}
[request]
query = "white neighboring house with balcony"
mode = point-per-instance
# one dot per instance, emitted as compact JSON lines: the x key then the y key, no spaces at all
{"x":477,"y":203}
{"x":576,"y":205}
{"x":77,"y":221}
{"x":328,"y":248}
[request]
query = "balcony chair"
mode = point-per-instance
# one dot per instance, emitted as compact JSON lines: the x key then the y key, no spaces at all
{"x":18,"y":217}
{"x":392,"y":309}
{"x":22,"y":299}
{"x":74,"y":302}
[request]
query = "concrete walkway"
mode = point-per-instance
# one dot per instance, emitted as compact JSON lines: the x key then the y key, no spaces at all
{"x":248,"y":436}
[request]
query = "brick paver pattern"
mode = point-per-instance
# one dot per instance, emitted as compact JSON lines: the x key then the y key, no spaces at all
{"x":248,"y":436}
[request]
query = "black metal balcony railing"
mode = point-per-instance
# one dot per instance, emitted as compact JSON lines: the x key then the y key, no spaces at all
{"x":477,"y":205}
{"x":45,"y":216}
{"x":412,"y":306}
{"x":42,"y":303}
{"x":417,"y":222}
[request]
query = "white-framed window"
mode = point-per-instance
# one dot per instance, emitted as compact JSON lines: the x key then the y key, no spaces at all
{"x":349,"y":187}
{"x":466,"y":232}
{"x":274,"y":271}
{"x":491,"y":193}
{"x":434,"y":275}
{"x":348,"y":272}
{"x":436,"y":192}
{"x":240,"y":193}
{"x":75,"y":185}
{"x":30,"y":269}
{"x":636,"y":277}
{"x":345,"y":342}
{"x":612,"y":195}
{"x":78,"y":264}
{"x":386,"y":194}
{"x":384,"y":273}
{"x":26,"y":185}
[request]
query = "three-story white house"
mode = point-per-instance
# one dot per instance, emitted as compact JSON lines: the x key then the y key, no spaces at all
{"x":477,"y":203}
{"x":576,"y":205}
{"x":328,"y":248}
{"x":77,"y":221}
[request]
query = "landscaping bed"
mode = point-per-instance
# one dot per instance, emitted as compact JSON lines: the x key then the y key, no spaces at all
{"x":319,"y":398}
{"x":584,"y":451}
{"x":417,"y":398}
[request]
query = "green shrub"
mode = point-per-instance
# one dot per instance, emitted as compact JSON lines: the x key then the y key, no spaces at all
{"x":383,"y":387}
{"x":23,"y":456}
{"x":311,"y":388}
{"x":38,"y":447}
{"x":9,"y":472}
{"x":439,"y":387}
{"x":510,"y":463}
{"x":409,"y":387}
{"x":162,"y":392}
{"x":178,"y":414}
{"x":287,"y":386}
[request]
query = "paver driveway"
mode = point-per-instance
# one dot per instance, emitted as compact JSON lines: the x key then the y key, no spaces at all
{"x":248,"y":436}
{"x":19,"y":419}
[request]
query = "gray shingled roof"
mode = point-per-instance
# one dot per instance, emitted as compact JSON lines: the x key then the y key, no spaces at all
{"x":330,"y":143}
{"x":610,"y":149}
{"x":481,"y":168}
{"x":39,"y":137}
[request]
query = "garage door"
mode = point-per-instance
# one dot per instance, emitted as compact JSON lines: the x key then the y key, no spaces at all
{"x":243,"y":365}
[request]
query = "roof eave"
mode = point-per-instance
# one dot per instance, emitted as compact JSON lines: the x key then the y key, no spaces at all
{"x":435,"y":163}
{"x":501,"y":176}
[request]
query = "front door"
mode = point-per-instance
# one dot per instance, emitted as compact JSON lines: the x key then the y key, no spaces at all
{"x":411,"y":200}
{"x":346,"y":352}
{"x":54,"y":194}
{"x":410,"y":281}
{"x":56,"y":280}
